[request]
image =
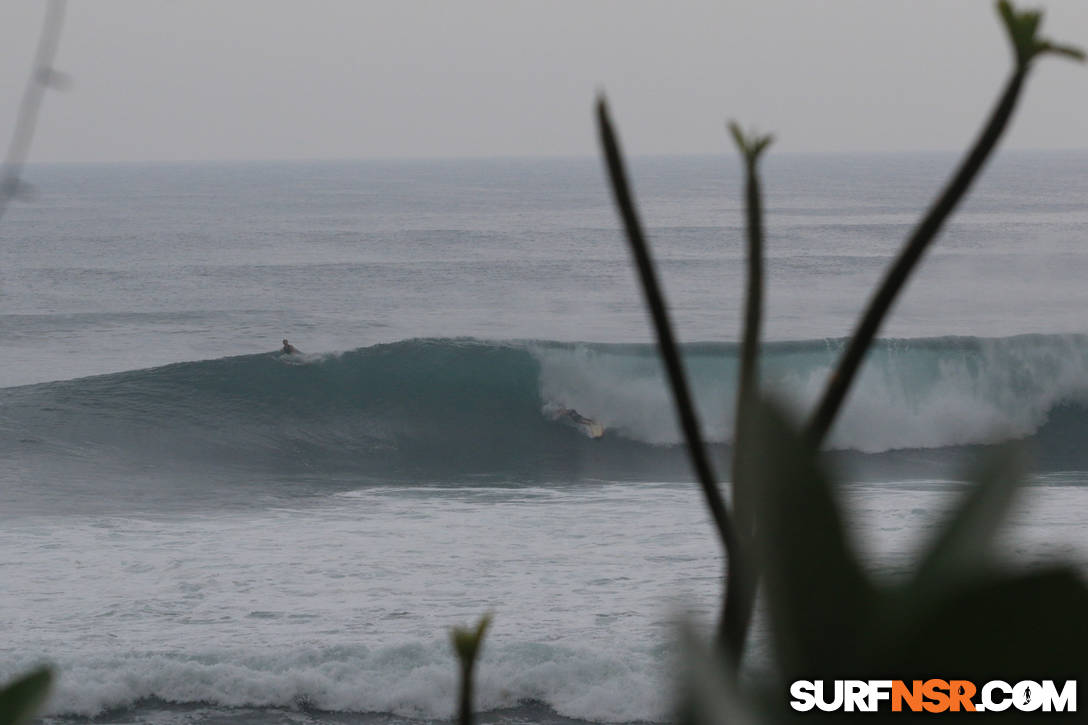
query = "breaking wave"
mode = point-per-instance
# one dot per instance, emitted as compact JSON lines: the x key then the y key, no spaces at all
{"x":415,"y":680}
{"x":438,"y":407}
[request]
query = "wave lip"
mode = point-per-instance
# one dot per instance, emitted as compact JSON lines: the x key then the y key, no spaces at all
{"x":434,"y":408}
{"x":912,"y":394}
{"x":954,"y":391}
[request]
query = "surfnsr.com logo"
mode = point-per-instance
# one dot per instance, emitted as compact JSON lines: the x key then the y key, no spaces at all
{"x":933,"y":696}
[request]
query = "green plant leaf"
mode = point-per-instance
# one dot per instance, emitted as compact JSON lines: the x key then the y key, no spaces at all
{"x":1027,"y":626}
{"x":21,"y":699}
{"x":1023,"y":27}
{"x":965,"y":539}
{"x":468,"y":640}
{"x":1068,"y":51}
{"x":817,"y":594}
{"x":752,"y":144}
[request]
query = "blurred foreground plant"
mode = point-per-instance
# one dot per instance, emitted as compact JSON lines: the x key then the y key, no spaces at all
{"x":42,"y":76}
{"x":467,"y":642}
{"x":21,"y":699}
{"x":960,"y":614}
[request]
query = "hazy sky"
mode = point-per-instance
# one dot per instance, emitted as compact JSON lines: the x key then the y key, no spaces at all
{"x":272,"y":79}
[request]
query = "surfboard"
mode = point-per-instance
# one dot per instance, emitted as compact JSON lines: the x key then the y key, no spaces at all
{"x":593,"y":429}
{"x":294,"y":358}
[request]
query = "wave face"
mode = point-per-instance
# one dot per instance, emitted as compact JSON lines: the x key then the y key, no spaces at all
{"x":442,"y":407}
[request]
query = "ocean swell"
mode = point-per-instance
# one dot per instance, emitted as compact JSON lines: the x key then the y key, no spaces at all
{"x":439,"y":407}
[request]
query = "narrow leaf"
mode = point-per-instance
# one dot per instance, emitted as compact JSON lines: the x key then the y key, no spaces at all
{"x":1068,"y":51}
{"x":468,"y":640}
{"x":26,"y":119}
{"x":1023,"y":29}
{"x":965,"y":540}
{"x":817,"y":594}
{"x":21,"y":699}
{"x":1029,"y":626}
{"x":751,"y":145}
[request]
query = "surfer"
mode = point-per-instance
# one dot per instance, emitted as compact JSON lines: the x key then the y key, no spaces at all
{"x":561,"y":413}
{"x":288,"y":348}
{"x":588,"y":426}
{"x":578,"y":417}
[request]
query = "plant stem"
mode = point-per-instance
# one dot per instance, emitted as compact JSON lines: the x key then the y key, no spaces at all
{"x":467,"y":642}
{"x":839,"y":384}
{"x":27,"y":117}
{"x":741,"y":586}
{"x":670,"y":353}
{"x":465,"y":707}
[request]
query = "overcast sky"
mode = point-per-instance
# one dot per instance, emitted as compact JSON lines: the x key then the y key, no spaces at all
{"x":272,"y":79}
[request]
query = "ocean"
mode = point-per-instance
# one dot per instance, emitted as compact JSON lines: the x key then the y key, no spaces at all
{"x":196,"y":529}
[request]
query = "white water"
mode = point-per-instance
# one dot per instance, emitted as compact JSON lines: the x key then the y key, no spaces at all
{"x":344,"y":605}
{"x":910,"y":395}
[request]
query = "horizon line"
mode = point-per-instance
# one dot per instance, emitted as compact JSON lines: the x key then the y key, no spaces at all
{"x":527,"y":157}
